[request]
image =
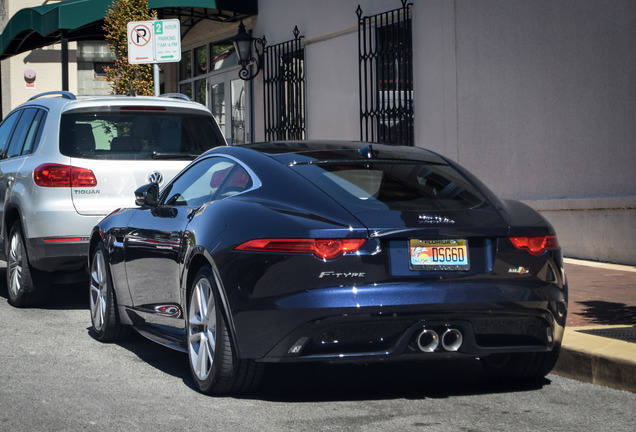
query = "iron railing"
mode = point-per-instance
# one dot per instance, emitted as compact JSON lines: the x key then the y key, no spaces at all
{"x":284,"y":90}
{"x":386,"y":76}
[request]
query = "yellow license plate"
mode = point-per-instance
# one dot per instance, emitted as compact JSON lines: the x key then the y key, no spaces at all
{"x":446,"y":255}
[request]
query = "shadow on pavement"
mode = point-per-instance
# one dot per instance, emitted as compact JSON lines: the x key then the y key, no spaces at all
{"x":56,"y":296}
{"x":311,"y":382}
{"x":433,"y":379}
{"x":608,"y":313}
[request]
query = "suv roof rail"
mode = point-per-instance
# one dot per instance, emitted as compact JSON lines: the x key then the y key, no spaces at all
{"x":176,"y":96}
{"x":64,"y":94}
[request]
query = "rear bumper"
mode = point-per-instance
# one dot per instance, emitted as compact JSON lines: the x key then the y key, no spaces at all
{"x":64,"y":256}
{"x":368,"y":338}
{"x":385,"y":322}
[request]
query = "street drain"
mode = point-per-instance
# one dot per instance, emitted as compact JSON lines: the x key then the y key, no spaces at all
{"x":627,"y":334}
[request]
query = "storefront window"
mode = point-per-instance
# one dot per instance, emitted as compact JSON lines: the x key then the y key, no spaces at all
{"x":200,"y":60}
{"x":223,"y":55}
{"x":185,"y":66}
{"x":218,"y":104}
{"x":186,"y":89}
{"x":208,"y":74}
{"x":200,"y":88}
{"x":238,"y":111}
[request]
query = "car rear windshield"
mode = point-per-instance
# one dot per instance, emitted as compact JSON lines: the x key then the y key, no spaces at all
{"x":135,"y":135}
{"x":393,"y":185}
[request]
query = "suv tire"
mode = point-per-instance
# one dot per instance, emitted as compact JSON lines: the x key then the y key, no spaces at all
{"x":21,"y":277}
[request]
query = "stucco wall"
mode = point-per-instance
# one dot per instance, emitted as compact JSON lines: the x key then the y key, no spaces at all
{"x":46,"y":62}
{"x":547,"y":95}
{"x":48,"y":68}
{"x":538,"y":99}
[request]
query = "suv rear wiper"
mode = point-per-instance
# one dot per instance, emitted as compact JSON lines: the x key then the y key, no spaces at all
{"x":157,"y":155}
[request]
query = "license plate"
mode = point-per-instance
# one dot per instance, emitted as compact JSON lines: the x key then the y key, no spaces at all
{"x":447,"y":255}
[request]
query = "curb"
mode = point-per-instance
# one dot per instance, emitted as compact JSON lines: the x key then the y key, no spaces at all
{"x":597,"y":359}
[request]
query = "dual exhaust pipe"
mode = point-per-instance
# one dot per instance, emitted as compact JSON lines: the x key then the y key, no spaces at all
{"x":428,"y":340}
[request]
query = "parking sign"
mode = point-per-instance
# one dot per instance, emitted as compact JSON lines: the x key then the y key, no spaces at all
{"x":167,"y":40}
{"x":157,"y":41}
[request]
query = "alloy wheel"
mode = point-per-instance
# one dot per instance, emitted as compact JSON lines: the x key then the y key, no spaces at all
{"x":98,"y":290}
{"x":16,"y":263}
{"x":202,"y":328}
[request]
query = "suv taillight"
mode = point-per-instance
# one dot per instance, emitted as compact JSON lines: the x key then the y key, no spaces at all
{"x":56,"y":175}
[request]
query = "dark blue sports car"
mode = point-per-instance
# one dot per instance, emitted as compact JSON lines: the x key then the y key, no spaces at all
{"x":334,"y":252}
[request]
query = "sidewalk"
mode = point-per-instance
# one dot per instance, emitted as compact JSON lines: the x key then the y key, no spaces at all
{"x":599,"y":345}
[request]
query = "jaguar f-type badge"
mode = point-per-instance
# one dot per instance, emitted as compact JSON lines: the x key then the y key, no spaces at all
{"x":155,"y":177}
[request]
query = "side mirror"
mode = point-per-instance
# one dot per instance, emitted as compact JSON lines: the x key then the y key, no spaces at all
{"x":147,"y":195}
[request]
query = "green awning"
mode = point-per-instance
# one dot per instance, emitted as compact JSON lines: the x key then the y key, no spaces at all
{"x":39,"y":26}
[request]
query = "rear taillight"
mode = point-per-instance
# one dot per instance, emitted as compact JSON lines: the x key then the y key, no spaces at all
{"x":57,"y":175}
{"x":326,"y":249}
{"x":535,"y":245}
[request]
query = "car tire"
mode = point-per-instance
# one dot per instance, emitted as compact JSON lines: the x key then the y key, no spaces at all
{"x":531,"y":366}
{"x":213,"y":362}
{"x":22,"y":280}
{"x":105,"y":324}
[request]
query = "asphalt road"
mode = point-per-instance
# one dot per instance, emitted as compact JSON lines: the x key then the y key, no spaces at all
{"x":55,"y":377}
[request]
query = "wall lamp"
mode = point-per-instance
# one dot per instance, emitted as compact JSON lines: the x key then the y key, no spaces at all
{"x":243,"y":43}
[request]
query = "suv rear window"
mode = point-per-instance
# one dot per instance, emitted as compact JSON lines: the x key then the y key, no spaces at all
{"x":135,"y":135}
{"x":392,"y":185}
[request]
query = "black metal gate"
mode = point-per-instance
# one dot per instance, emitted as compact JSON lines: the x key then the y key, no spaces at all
{"x":386,"y":76}
{"x":284,"y":90}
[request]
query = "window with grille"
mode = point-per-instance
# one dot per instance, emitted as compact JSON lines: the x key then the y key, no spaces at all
{"x":284,"y":90}
{"x":386,"y":76}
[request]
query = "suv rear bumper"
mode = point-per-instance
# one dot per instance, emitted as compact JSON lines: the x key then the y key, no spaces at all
{"x":65,"y":256}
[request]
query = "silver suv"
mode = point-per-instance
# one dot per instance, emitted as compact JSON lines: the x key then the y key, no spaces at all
{"x":66,"y":162}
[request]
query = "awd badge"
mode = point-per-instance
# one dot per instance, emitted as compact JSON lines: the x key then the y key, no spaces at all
{"x":520,"y":270}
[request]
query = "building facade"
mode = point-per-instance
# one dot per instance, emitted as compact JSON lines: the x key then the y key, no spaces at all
{"x":538,"y":99}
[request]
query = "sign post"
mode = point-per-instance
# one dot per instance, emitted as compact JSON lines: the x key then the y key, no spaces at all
{"x":157,"y":41}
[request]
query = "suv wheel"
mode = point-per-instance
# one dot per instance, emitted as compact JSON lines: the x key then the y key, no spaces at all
{"x":20,"y":274}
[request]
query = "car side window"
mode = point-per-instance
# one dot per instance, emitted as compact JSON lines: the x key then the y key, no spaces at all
{"x":210,"y":179}
{"x":35,"y":132}
{"x":6,"y":130}
{"x":21,"y":133}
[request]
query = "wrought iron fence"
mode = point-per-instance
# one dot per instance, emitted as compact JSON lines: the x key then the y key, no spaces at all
{"x":386,"y":76}
{"x":284,"y":90}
